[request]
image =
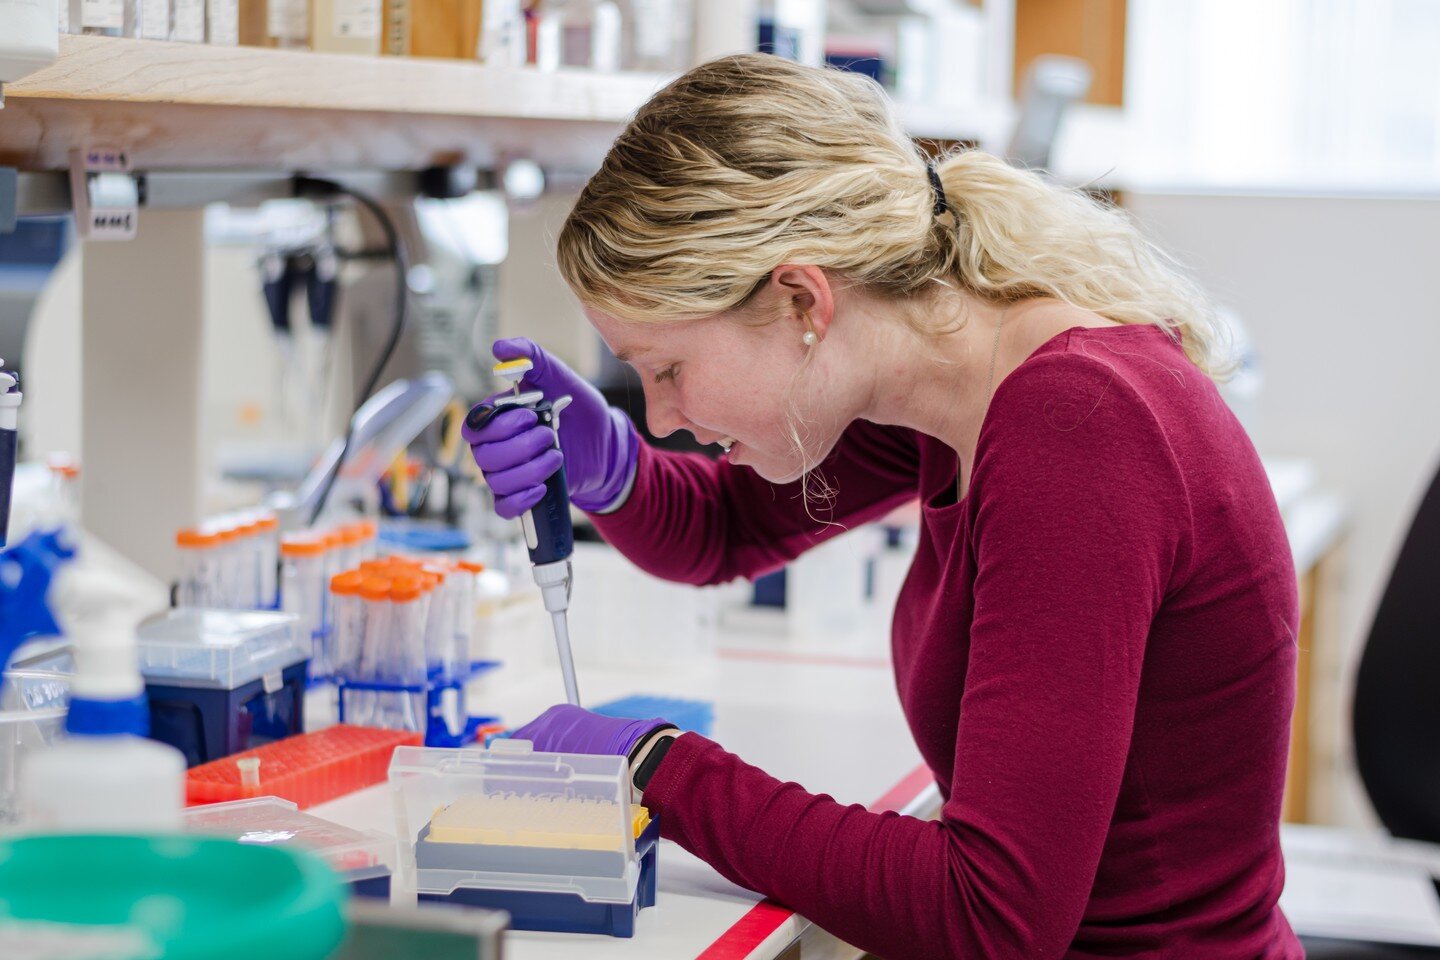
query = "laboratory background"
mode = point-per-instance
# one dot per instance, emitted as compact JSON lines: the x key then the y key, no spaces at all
{"x":253,"y":257}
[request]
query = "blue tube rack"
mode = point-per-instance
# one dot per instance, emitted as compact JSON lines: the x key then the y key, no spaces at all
{"x":437,"y":731}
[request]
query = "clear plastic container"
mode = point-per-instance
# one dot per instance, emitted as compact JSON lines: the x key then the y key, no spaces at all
{"x":502,"y":33}
{"x":225,"y":649}
{"x":222,"y":22}
{"x":99,"y":18}
{"x":200,"y":559}
{"x":187,"y":21}
{"x":347,"y":626}
{"x":149,"y":20}
{"x":354,"y":855}
{"x":578,"y":33}
{"x":509,"y":819}
{"x":267,"y":558}
{"x":403,"y":663}
{"x":375,"y":629}
{"x":440,"y":656}
{"x":369,"y":540}
{"x":287,"y":24}
{"x":464,"y":586}
{"x":304,"y":589}
{"x":64,"y":471}
{"x":32,"y":716}
{"x":247,"y":566}
{"x":657,"y":34}
{"x":227,"y":563}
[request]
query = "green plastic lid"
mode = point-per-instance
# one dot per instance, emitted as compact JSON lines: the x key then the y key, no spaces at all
{"x":167,"y":898}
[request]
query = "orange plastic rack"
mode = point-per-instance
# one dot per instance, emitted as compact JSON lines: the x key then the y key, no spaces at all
{"x":307,"y":769}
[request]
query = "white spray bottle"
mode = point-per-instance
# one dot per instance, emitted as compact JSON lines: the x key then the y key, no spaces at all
{"x":105,"y":776}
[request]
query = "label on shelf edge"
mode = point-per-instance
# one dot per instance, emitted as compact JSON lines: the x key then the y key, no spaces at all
{"x":356,"y":19}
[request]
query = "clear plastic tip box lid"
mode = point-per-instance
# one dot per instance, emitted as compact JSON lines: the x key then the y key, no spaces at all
{"x":190,"y":646}
{"x":506,"y":818}
{"x":273,"y":821}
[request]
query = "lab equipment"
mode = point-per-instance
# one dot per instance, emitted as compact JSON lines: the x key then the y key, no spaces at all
{"x":303,"y":582}
{"x":64,"y":487}
{"x":287,"y":24}
{"x":347,"y":628}
{"x":344,"y":26}
{"x":1053,"y":84}
{"x":221,"y":681}
{"x":9,"y":437}
{"x":32,"y":702}
{"x":106,"y":776}
{"x":166,"y":896}
{"x":364,"y":859}
{"x":100,"y":18}
{"x":187,"y":23}
{"x":222,"y":22}
{"x":401,"y":657}
{"x":697,"y":716}
{"x":147,"y":19}
{"x":382,"y":427}
{"x":656,"y":34}
{"x":229,"y":562}
{"x":549,"y":536}
{"x":32,"y":717}
{"x":551,"y":838}
{"x":308,"y":769}
{"x":502,"y":33}
{"x":578,"y":33}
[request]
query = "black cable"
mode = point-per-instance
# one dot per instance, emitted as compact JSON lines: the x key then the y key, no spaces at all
{"x":309,"y":186}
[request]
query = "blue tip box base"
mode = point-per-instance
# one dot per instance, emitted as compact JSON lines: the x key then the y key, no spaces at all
{"x":568,"y":912}
{"x":207,"y":723}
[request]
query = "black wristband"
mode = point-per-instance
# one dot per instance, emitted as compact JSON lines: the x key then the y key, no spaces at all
{"x":651,"y":763}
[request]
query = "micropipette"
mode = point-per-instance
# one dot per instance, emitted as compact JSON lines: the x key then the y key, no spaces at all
{"x":549,"y":536}
{"x":9,"y":426}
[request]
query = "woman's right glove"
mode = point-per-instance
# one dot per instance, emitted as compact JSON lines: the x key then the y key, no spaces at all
{"x":517,"y":456}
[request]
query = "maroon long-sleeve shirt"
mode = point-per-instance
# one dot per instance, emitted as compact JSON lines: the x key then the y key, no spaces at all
{"x":1095,"y":652}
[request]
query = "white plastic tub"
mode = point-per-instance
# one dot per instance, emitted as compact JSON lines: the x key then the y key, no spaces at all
{"x":33,"y":704}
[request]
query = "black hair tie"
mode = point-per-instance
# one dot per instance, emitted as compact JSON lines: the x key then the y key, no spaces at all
{"x":942,"y":205}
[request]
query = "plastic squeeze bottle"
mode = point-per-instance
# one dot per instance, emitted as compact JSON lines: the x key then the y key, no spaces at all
{"x":105,"y":777}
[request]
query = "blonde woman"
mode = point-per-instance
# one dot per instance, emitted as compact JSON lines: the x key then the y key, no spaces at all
{"x":1095,"y":646}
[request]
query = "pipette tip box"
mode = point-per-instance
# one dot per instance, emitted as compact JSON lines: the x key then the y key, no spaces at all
{"x":364,"y":859}
{"x":550,"y":838}
{"x":307,"y":769}
{"x":219,"y":681}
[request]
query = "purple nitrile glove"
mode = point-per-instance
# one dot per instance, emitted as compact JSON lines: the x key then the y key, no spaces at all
{"x":516,"y":454}
{"x":569,"y":729}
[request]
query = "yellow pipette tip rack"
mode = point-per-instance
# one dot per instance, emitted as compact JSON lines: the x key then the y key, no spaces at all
{"x":532,"y":822}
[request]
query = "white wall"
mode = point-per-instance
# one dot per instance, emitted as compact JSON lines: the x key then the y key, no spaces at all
{"x":1342,"y":300}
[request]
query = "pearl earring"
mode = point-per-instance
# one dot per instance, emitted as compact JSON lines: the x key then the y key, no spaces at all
{"x":810,"y":338}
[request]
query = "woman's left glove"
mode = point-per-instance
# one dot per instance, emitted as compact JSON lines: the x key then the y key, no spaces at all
{"x":569,"y":729}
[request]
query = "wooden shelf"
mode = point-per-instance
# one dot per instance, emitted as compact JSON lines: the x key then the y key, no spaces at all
{"x":174,"y":105}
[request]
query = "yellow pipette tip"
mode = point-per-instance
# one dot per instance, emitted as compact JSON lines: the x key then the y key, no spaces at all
{"x":510,"y":368}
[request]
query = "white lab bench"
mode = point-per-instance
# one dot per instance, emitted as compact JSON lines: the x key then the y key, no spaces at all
{"x":830,"y":721}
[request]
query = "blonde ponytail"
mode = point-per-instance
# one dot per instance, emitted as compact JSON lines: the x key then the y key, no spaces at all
{"x":751,"y":161}
{"x":1019,"y":235}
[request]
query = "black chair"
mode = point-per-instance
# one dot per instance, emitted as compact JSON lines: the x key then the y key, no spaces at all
{"x":1397,"y":709}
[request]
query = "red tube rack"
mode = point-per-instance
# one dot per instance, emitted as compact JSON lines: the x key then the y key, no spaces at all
{"x":307,"y":769}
